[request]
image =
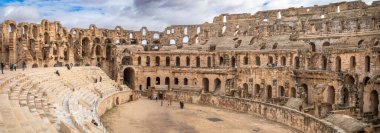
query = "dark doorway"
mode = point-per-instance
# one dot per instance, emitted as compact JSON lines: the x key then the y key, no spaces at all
{"x":129,"y":77}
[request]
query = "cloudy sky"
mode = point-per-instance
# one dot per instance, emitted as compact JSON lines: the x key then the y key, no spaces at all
{"x":133,"y":14}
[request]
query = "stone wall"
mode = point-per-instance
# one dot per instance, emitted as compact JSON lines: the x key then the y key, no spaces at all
{"x":290,"y":117}
{"x":112,"y":100}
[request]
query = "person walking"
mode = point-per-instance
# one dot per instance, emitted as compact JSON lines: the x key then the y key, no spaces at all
{"x":15,"y":66}
{"x":23,"y":66}
{"x":2,"y":67}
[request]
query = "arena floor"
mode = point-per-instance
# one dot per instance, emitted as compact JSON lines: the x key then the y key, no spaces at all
{"x":148,"y":116}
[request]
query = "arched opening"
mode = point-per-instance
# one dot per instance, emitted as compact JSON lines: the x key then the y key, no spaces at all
{"x":326,"y":44}
{"x":167,"y":82}
{"x":367,"y":63}
{"x":246,"y":60}
{"x":281,"y":91}
{"x":221,"y":60}
{"x":185,"y":40}
{"x":139,"y":60}
{"x":167,"y":61}
{"x":324,"y":63}
{"x":297,"y":62}
{"x":172,"y":42}
{"x":269,"y":92}
{"x":157,"y":61}
{"x":312,"y":45}
{"x":185,"y":81}
{"x":233,"y":62}
{"x":126,"y":60}
{"x":46,"y":38}
{"x":257,"y":90}
{"x":147,"y":82}
{"x":177,"y":61}
{"x":187,"y":61}
{"x":345,"y":96}
{"x":270,"y":60}
{"x":129,"y":77}
{"x":205,"y":83}
{"x":360,"y":42}
{"x":176,"y":81}
{"x":108,"y":52}
{"x":283,"y":61}
{"x":147,"y":61}
{"x":374,"y":98}
{"x":198,"y":61}
{"x":366,"y":80}
{"x":306,"y":94}
{"x":258,"y":62}
{"x":35,"y":65}
{"x":85,"y":47}
{"x":293,"y":92}
{"x":338,"y":63}
{"x":352,"y":62}
{"x":98,"y":50}
{"x":245,"y":90}
{"x":330,"y":95}
{"x":158,"y":81}
{"x":218,"y":84}
{"x":156,"y":36}
{"x":208,"y":61}
{"x":274,"y":46}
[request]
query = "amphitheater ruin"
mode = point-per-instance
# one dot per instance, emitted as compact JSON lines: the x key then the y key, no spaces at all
{"x":312,"y":69}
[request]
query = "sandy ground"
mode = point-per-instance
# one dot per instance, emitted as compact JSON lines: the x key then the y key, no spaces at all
{"x":148,"y":116}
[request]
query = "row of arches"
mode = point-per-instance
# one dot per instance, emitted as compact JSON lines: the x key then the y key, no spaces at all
{"x":198,"y":61}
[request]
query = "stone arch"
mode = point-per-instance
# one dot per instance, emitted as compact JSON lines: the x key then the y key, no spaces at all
{"x":217,"y":84}
{"x":269,"y":91}
{"x":324,"y":63}
{"x":156,"y":36}
{"x":258,"y":62}
{"x":246,"y":61}
{"x":147,"y":61}
{"x":185,"y":40}
{"x":98,"y":50}
{"x":157,"y":61}
{"x":326,"y":44}
{"x":129,"y":77}
{"x":345,"y":96}
{"x":167,"y":81}
{"x":338,"y":64}
{"x":270,"y":60}
{"x":35,"y":65}
{"x":374,"y":98}
{"x":307,"y":94}
{"x":85,"y":46}
{"x":187,"y":61}
{"x":206,"y":85}
{"x":275,"y":45}
{"x":167,"y":61}
{"x":46,"y":38}
{"x":198,"y":61}
{"x":209,"y":61}
{"x":360,"y":43}
{"x":233,"y":61}
{"x":185,"y":81}
{"x":367,"y":62}
{"x":172,"y":42}
{"x":177,"y":61}
{"x":283,"y":61}
{"x":312,"y":46}
{"x":352,"y":62}
{"x":365,"y":80}
{"x":293,"y":92}
{"x":330,"y":98}
{"x":126,"y":60}
{"x":281,"y":91}
{"x":176,"y":81}
{"x":139,"y":60}
{"x":158,"y":81}
{"x":257,"y":90}
{"x":246,"y":90}
{"x":148,"y":82}
{"x":297,"y":62}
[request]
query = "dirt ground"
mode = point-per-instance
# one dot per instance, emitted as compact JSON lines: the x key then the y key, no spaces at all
{"x":148,"y":116}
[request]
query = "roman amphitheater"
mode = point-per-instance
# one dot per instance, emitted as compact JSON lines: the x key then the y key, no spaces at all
{"x":302,"y":69}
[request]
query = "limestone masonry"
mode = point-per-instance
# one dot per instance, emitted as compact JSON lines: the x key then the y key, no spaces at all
{"x":315,"y":69}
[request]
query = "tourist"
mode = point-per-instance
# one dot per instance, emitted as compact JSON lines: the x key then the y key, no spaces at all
{"x":23,"y":66}
{"x":11,"y":67}
{"x":156,"y":99}
{"x":162,"y":102}
{"x":15,"y":66}
{"x":2,"y":67}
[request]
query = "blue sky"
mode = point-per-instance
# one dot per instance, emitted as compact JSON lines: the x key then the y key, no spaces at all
{"x":134,"y":14}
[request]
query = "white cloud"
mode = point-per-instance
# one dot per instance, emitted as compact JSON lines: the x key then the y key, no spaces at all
{"x":133,"y":14}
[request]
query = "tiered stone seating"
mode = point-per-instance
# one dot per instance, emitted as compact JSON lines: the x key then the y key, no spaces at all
{"x":43,"y":101}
